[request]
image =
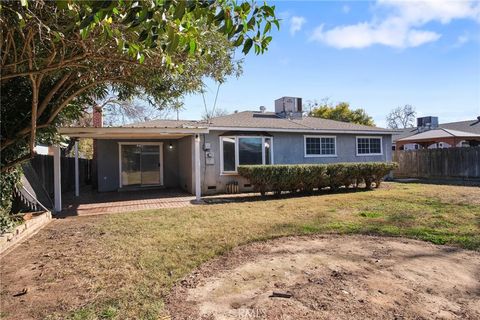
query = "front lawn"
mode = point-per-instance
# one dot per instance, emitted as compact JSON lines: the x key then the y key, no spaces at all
{"x":126,"y":263}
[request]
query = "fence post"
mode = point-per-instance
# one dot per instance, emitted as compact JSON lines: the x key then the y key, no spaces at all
{"x":57,"y":178}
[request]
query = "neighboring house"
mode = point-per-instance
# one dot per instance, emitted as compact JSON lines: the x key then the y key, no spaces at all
{"x":202,"y":157}
{"x":430,"y":134}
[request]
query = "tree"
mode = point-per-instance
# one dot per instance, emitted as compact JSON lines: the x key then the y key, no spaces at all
{"x":340,"y":112}
{"x":402,"y":117}
{"x":118,"y":112}
{"x":206,"y":116}
{"x":57,"y":57}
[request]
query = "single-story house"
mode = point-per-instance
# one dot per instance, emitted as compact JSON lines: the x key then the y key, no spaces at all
{"x":202,"y":157}
{"x":430,"y":134}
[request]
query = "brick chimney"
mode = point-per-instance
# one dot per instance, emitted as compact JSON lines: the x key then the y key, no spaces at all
{"x":97,"y":117}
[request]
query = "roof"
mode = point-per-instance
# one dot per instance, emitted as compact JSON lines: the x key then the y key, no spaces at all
{"x":471,"y":126}
{"x":266,"y":121}
{"x":439,"y":134}
{"x":164,"y":124}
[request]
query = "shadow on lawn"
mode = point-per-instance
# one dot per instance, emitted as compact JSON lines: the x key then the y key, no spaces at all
{"x":253,"y":197}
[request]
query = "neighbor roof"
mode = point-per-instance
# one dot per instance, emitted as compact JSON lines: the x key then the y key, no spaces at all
{"x":471,"y":126}
{"x":439,"y":134}
{"x":266,"y":121}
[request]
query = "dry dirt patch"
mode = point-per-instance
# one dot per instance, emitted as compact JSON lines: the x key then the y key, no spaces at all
{"x":334,"y":277}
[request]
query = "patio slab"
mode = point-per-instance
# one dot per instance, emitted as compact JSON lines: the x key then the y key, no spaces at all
{"x":93,"y":203}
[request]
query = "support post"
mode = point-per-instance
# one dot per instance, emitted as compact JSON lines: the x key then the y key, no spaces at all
{"x":77,"y":171}
{"x":198,"y":190}
{"x":57,"y":178}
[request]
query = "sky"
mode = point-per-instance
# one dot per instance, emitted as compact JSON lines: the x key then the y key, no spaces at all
{"x":376,"y":55}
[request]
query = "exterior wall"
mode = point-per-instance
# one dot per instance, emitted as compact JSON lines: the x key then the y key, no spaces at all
{"x":178,"y":162}
{"x":185,"y":164}
{"x":288,"y":148}
{"x":108,"y":163}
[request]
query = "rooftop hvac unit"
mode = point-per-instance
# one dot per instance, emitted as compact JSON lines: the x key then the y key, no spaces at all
{"x":288,"y":105}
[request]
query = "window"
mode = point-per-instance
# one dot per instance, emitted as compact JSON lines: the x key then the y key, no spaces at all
{"x":228,"y":154}
{"x":244,"y":150}
{"x":250,"y":151}
{"x":369,"y":146}
{"x":317,"y":146}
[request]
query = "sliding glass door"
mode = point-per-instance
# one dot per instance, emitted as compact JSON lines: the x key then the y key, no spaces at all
{"x":140,"y":164}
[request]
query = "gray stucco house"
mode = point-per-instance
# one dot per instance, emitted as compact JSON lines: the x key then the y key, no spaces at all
{"x":201,"y":157}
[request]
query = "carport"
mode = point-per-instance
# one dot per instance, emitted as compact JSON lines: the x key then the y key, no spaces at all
{"x":452,"y":137}
{"x":136,"y":147}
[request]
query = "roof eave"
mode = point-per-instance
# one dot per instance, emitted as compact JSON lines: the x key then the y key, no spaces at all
{"x":306,"y":130}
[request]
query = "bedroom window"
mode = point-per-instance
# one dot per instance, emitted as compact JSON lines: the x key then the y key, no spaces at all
{"x":244,"y":150}
{"x":369,"y":146}
{"x":320,"y":146}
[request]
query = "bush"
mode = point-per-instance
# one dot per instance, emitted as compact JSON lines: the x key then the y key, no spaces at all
{"x":8,"y":181}
{"x":306,"y":177}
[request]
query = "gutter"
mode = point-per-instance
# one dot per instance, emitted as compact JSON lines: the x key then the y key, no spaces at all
{"x":385,"y":132}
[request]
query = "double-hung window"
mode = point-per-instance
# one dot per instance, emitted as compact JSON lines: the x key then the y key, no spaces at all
{"x":320,"y":146}
{"x":369,"y":146}
{"x":244,"y":150}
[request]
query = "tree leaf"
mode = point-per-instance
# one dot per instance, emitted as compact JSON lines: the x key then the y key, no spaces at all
{"x":180,"y":9}
{"x":239,"y":41}
{"x":268,"y":26}
{"x":192,"y":46}
{"x":247,"y":46}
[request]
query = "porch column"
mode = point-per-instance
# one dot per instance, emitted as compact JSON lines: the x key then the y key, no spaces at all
{"x":198,"y":190}
{"x":77,"y":174}
{"x":57,"y":178}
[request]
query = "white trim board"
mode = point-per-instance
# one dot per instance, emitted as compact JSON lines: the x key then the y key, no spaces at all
{"x":319,"y":131}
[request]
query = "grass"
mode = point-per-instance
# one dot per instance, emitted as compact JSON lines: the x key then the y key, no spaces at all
{"x":145,"y":253}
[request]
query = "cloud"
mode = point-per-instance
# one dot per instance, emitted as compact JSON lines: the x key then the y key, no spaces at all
{"x":296,"y":24}
{"x":345,"y":8}
{"x":401,"y":27}
{"x":461,"y":40}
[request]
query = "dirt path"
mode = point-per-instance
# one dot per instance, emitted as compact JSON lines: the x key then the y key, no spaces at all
{"x":52,"y":269}
{"x":334,"y":277}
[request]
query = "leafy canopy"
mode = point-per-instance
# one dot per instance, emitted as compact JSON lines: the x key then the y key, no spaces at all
{"x":342,"y":112}
{"x":58,"y":56}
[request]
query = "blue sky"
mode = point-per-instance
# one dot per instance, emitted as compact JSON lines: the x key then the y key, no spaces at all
{"x":375,"y":55}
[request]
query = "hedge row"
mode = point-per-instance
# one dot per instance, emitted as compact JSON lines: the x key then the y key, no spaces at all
{"x":278,"y":178}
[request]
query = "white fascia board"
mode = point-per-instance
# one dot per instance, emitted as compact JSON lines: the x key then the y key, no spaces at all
{"x":331,"y":131}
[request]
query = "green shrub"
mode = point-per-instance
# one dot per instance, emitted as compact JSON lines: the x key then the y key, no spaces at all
{"x":306,"y":177}
{"x":8,"y":181}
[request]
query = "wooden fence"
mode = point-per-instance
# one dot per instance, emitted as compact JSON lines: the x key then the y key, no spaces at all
{"x":43,"y":166}
{"x":448,"y":163}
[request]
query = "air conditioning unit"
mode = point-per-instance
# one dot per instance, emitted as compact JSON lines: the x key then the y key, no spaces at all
{"x":427,"y":123}
{"x":288,"y":105}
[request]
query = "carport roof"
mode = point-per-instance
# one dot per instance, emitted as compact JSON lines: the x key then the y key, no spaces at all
{"x":171,"y":132}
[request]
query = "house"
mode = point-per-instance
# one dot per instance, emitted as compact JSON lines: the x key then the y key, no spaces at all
{"x":202,"y":157}
{"x":430,"y":134}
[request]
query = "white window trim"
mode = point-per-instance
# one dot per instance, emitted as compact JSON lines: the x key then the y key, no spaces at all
{"x":318,"y":155}
{"x":120,"y":144}
{"x":236,"y":138}
{"x":368,"y":154}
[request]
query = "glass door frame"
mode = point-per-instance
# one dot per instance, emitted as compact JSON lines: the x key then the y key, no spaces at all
{"x":160,"y":149}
